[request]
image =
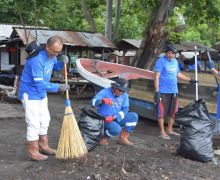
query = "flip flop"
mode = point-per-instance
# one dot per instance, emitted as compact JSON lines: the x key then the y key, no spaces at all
{"x":164,"y":136}
{"x":174,"y":133}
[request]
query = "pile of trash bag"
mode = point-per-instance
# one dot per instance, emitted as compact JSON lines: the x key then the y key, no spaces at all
{"x":196,"y":128}
{"x":91,"y":126}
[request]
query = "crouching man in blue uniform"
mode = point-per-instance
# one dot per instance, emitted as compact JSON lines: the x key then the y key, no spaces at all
{"x":34,"y":85}
{"x":113,"y":104}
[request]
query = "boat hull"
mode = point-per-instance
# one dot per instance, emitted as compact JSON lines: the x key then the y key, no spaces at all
{"x":143,"y":89}
{"x":142,"y":108}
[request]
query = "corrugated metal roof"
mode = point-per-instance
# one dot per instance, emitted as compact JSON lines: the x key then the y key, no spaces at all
{"x":126,"y":44}
{"x":69,"y":38}
{"x":216,"y":46}
{"x":190,"y":46}
{"x":134,"y":42}
{"x":6,"y":30}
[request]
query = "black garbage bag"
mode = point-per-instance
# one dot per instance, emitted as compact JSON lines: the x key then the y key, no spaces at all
{"x":196,"y":127}
{"x":7,"y":79}
{"x":91,"y":126}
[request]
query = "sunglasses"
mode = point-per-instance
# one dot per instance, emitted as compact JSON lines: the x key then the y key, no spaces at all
{"x":57,"y":53}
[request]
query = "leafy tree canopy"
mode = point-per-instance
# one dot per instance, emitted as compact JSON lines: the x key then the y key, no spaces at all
{"x":201,"y":19}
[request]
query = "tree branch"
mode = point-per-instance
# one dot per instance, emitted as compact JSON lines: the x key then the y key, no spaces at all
{"x":88,"y":16}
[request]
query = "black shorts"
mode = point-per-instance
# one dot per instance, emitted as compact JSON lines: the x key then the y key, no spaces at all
{"x":168,"y":105}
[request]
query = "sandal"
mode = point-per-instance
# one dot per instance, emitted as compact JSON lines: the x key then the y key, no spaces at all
{"x":164,"y":136}
{"x":173,"y":133}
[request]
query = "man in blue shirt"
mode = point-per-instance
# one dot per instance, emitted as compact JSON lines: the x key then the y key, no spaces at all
{"x":166,"y":90}
{"x":113,"y":104}
{"x":34,"y":85}
{"x":192,"y":67}
{"x":216,"y":74}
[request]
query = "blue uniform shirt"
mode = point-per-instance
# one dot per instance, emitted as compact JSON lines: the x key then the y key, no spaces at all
{"x":192,"y":67}
{"x":36,"y":76}
{"x":120,"y":104}
{"x":168,"y":74}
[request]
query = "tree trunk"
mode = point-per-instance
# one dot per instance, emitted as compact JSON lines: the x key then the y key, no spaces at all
{"x":36,"y":20}
{"x":108,"y":25}
{"x":88,"y":16}
{"x":155,"y":36}
{"x":26,"y":34}
{"x":117,"y":18}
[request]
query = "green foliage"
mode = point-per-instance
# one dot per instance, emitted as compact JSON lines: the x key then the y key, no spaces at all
{"x":202,"y":18}
{"x":202,"y":22}
{"x":26,"y":11}
{"x":4,"y":4}
{"x":134,"y":17}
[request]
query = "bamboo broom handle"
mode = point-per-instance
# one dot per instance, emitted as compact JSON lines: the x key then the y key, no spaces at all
{"x":210,"y":60}
{"x":66,"y":81}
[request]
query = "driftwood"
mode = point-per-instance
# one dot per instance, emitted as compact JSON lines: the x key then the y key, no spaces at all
{"x":9,"y":91}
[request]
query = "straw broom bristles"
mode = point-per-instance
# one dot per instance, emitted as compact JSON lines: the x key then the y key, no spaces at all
{"x":71,"y":144}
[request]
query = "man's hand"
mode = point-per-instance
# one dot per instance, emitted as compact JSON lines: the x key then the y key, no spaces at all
{"x":63,"y":87}
{"x":157,"y":97}
{"x":193,"y":81}
{"x":107,"y":101}
{"x":211,"y":64}
{"x":109,"y":119}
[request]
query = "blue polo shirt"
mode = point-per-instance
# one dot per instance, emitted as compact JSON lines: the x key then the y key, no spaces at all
{"x":36,"y":76}
{"x":168,"y":74}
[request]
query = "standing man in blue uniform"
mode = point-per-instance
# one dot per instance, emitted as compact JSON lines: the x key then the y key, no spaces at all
{"x":34,"y":85}
{"x":166,"y":90}
{"x":113,"y":104}
{"x":216,"y":74}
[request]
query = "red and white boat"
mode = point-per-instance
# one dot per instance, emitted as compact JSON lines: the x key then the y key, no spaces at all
{"x":101,"y":73}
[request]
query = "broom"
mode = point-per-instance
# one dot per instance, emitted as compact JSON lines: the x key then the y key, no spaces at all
{"x":71,"y":144}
